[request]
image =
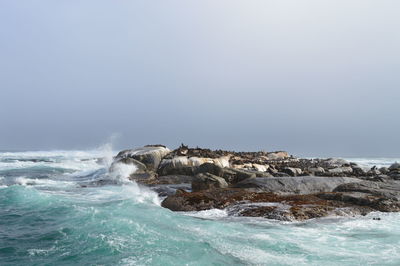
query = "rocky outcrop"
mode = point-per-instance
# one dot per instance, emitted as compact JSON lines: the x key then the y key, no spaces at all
{"x":273,"y":185}
{"x":394,"y":171}
{"x":268,"y":205}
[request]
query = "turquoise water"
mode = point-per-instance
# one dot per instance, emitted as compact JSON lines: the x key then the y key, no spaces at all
{"x":53,"y":213}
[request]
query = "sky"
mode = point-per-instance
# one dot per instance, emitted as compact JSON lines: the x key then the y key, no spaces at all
{"x":313,"y":77}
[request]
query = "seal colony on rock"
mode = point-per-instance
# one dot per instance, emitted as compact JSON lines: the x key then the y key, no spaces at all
{"x":273,"y":185}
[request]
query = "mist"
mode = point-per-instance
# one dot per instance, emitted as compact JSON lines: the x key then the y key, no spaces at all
{"x":315,"y":78}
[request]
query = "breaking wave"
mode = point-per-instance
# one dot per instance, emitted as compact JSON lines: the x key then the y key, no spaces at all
{"x":64,"y":207}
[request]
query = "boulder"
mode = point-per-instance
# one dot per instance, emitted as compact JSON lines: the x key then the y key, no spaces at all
{"x":150,"y":156}
{"x":260,"y":167}
{"x":394,"y":166}
{"x":208,"y":181}
{"x":384,"y":170}
{"x":294,"y":185}
{"x":188,"y":165}
{"x":292,"y":171}
{"x":389,"y":189}
{"x":316,"y":170}
{"x":358,"y":171}
{"x":334,"y":162}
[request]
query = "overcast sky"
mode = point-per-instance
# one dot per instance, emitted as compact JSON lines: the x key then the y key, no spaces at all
{"x":316,"y":78}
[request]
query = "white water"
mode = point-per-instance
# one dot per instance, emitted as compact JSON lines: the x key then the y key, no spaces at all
{"x":73,"y":218}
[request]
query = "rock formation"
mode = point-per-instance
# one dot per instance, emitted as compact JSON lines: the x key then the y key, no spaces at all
{"x":273,"y":185}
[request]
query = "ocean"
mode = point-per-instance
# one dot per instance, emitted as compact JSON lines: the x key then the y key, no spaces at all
{"x":63,"y":208}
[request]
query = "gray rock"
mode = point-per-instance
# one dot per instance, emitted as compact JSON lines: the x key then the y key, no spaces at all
{"x":230,"y":175}
{"x":394,"y":166}
{"x":374,"y":172}
{"x":316,"y":170}
{"x":384,"y":170}
{"x":389,"y":189}
{"x":208,"y":181}
{"x":358,"y":171}
{"x":335,"y":162}
{"x":294,"y":185}
{"x":151,"y":156}
{"x":292,"y":171}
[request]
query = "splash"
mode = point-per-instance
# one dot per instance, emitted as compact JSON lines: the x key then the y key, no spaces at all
{"x":120,"y":172}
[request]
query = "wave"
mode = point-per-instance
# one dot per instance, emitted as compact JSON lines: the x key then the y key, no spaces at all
{"x":65,"y":208}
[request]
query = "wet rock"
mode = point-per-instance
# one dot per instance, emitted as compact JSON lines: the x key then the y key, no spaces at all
{"x":268,"y":205}
{"x":138,"y":167}
{"x":164,"y":190}
{"x":294,"y":185}
{"x":150,"y":156}
{"x":169,"y":179}
{"x":207,"y":181}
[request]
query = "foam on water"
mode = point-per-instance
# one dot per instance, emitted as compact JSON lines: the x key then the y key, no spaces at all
{"x":87,"y":216}
{"x":370,"y":162}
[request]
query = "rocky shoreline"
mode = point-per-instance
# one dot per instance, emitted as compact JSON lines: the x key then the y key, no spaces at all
{"x":272,"y":185}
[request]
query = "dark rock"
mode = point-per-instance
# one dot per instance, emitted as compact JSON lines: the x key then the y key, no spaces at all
{"x":246,"y":203}
{"x":281,"y":174}
{"x":394,"y":166}
{"x":294,"y":185}
{"x":358,"y":171}
{"x":165,"y":190}
{"x":387,"y":190}
{"x":169,"y":179}
{"x":208,"y":181}
{"x":384,"y":170}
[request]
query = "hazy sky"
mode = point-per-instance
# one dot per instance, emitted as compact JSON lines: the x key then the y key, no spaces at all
{"x":311,"y":77}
